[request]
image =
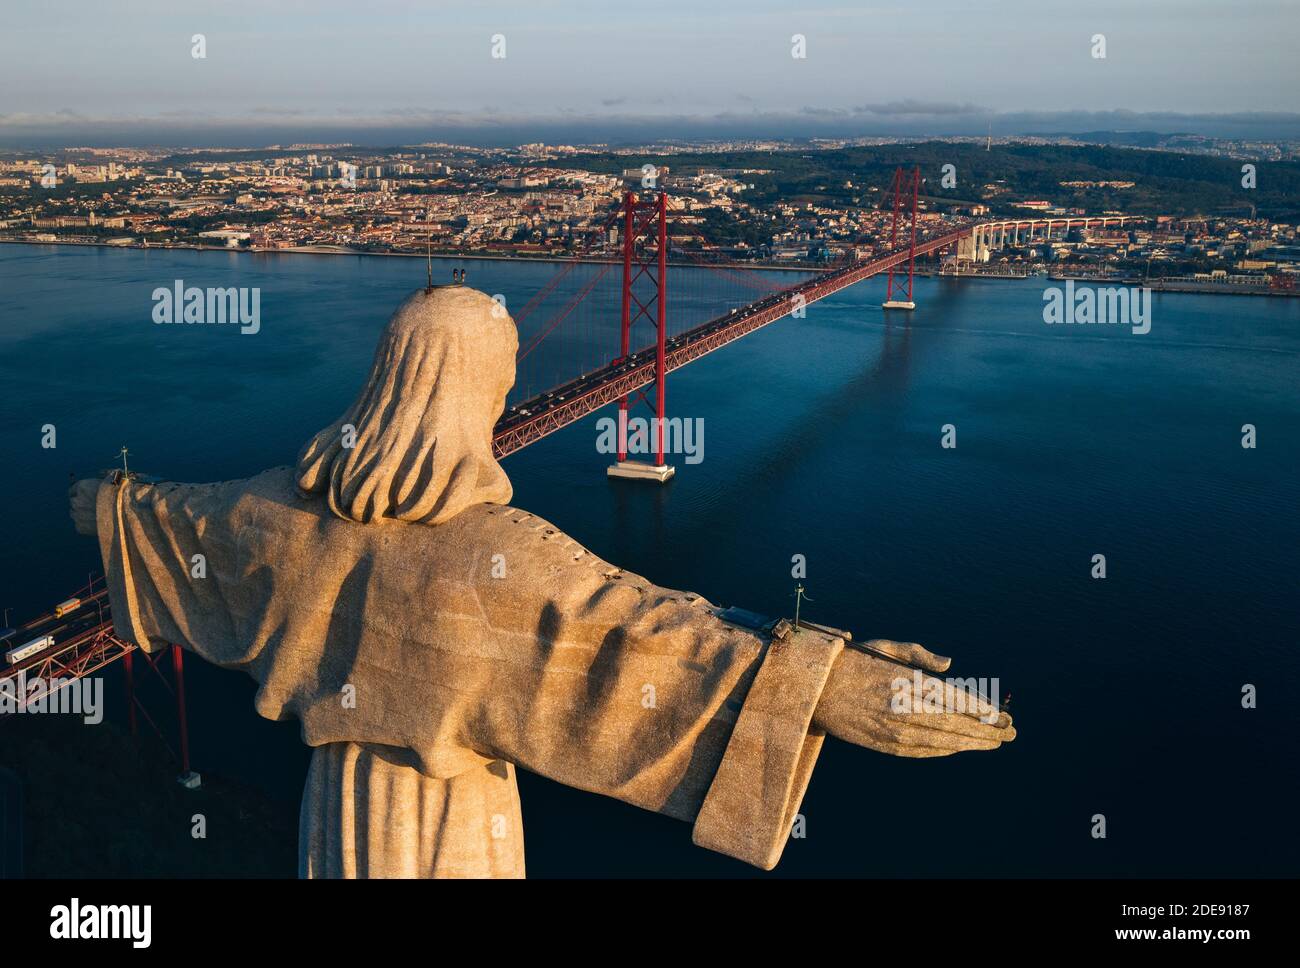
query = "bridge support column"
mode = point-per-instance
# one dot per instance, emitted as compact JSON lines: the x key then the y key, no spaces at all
{"x":629,"y":234}
{"x":188,"y":778}
{"x":899,"y":188}
{"x":128,"y":679}
{"x":648,"y":219}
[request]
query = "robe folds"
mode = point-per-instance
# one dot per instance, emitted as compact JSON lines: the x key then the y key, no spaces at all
{"x":425,"y":662}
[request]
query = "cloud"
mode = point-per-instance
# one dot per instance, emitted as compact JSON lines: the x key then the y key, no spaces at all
{"x":496,"y":125}
{"x":911,"y":108}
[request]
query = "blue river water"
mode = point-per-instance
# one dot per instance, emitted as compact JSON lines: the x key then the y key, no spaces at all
{"x":822,"y":439}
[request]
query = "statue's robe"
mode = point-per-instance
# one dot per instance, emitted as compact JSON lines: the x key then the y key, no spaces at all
{"x":425,"y":661}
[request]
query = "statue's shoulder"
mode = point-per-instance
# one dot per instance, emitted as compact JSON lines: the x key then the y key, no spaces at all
{"x":524,"y":523}
{"x":273,"y":481}
{"x":548,"y":549}
{"x":276,"y":483}
{"x":275,"y":488}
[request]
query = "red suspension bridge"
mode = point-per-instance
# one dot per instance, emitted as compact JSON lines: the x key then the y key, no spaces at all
{"x":627,"y":368}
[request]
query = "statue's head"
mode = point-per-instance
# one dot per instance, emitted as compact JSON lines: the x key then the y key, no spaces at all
{"x":421,"y":443}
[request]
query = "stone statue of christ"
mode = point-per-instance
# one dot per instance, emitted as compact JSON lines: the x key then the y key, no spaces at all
{"x":430,"y":638}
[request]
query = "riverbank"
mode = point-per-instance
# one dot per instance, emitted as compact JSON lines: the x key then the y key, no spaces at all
{"x":1204,"y":289}
{"x":1210,"y":289}
{"x":437,"y":254}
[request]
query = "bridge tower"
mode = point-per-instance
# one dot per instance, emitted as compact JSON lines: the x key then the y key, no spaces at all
{"x":901,"y":186}
{"x":155,"y":661}
{"x":645,"y":297}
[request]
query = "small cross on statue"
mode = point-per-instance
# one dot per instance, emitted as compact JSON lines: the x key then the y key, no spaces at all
{"x":125,"y":471}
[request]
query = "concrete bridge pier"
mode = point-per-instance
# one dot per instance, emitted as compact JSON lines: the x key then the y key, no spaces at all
{"x":640,"y":471}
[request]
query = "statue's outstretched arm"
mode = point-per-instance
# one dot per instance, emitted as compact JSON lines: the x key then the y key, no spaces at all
{"x":168,"y":550}
{"x":652,"y":696}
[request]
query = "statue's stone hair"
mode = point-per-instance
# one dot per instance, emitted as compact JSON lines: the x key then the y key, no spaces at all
{"x":421,"y":428}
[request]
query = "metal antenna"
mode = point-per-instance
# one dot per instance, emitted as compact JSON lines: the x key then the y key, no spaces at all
{"x":799,"y":596}
{"x":428,"y":250}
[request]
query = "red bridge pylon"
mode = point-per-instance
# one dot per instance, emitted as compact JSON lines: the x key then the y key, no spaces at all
{"x":645,"y":296}
{"x":901,"y":186}
{"x":155,"y":661}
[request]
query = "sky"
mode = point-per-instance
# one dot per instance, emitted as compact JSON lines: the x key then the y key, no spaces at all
{"x":641,"y":70}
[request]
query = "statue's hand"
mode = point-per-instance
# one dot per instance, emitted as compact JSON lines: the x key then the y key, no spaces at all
{"x":865,"y":703}
{"x":82,"y":498}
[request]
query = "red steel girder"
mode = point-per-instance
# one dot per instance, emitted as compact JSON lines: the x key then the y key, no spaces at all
{"x":81,"y":656}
